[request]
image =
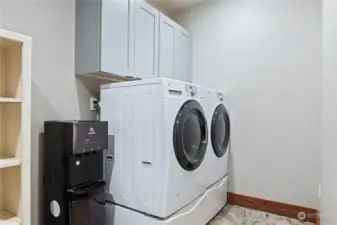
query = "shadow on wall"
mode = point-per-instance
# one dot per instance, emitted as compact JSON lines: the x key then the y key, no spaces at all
{"x":45,"y":111}
{"x":91,"y":86}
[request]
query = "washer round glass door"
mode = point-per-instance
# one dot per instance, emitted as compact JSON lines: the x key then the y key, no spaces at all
{"x":190,"y":135}
{"x":220,"y":130}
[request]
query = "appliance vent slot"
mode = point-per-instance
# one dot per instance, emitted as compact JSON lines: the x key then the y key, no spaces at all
{"x":175,"y":92}
{"x":147,"y":163}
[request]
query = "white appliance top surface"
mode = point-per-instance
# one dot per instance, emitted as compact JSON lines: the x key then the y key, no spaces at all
{"x":140,"y":82}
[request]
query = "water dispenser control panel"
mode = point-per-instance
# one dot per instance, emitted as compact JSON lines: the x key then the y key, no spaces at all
{"x":89,"y":137}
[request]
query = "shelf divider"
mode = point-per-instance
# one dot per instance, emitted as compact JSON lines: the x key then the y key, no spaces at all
{"x":9,"y":162}
{"x":10,"y":100}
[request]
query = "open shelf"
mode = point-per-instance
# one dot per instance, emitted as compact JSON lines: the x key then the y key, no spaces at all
{"x":10,"y":68}
{"x":10,"y":196}
{"x":9,"y":162}
{"x":10,"y":133}
{"x":9,"y":100}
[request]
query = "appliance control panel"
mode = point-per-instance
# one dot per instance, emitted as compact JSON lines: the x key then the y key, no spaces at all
{"x":220,"y":96}
{"x":192,"y":89}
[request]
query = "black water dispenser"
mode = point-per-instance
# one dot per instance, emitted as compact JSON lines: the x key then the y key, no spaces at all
{"x":73,"y":182}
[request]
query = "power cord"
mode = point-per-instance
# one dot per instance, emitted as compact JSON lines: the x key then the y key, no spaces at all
{"x":97,"y":109}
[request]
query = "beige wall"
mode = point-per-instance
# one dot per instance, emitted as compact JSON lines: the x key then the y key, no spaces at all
{"x":329,"y":151}
{"x":267,"y":56}
{"x":56,"y":93}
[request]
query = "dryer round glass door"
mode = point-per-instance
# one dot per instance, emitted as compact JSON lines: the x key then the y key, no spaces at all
{"x":190,"y":135}
{"x":220,"y":130}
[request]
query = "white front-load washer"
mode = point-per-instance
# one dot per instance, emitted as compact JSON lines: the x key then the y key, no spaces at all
{"x":219,"y":137}
{"x":161,"y":137}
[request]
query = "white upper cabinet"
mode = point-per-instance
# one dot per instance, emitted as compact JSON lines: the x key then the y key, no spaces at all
{"x":117,"y":35}
{"x":182,"y":59}
{"x":174,"y":50}
{"x":122,"y":39}
{"x":166,"y":47}
{"x":146,"y":40}
{"x":104,"y":38}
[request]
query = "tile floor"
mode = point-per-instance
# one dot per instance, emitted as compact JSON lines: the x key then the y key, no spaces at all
{"x":235,"y":215}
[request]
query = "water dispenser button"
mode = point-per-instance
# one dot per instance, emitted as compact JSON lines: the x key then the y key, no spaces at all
{"x":55,"y":208}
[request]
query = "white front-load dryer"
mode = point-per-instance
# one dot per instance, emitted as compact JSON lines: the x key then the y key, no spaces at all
{"x":161,"y":137}
{"x":219,"y":137}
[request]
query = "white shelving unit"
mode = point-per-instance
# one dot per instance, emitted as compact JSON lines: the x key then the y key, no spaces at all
{"x":15,"y":128}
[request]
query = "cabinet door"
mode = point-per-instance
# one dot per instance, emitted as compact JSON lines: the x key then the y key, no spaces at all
{"x":182,"y":65}
{"x":146,"y":40}
{"x":117,"y":37}
{"x":166,"y":46}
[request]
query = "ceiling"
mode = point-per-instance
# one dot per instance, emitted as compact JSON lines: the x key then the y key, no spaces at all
{"x":173,"y":6}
